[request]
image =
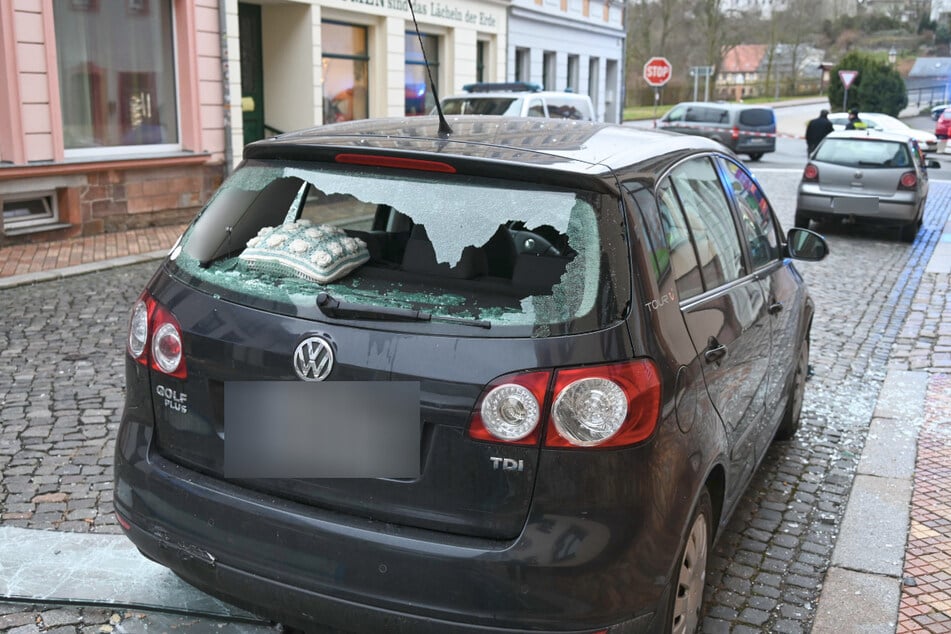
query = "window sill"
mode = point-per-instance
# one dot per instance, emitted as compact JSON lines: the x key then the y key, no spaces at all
{"x":30,"y":229}
{"x":84,"y":166}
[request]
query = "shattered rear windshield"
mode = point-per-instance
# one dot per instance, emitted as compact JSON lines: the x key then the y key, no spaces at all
{"x":413,"y":249}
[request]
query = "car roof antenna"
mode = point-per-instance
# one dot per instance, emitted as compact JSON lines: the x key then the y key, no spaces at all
{"x":444,"y":129}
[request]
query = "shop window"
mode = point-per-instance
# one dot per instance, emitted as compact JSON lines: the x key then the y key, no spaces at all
{"x":419,"y":98}
{"x":346,"y":63}
{"x":29,"y":210}
{"x":116,"y":73}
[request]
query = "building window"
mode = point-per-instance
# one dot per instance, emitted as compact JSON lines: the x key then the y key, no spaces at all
{"x":116,"y":74}
{"x":594,"y":79}
{"x":574,"y":76}
{"x":550,"y":64}
{"x":346,"y":64}
{"x":29,"y":210}
{"x":419,"y":99}
{"x":523,"y":66}
{"x":482,"y":53}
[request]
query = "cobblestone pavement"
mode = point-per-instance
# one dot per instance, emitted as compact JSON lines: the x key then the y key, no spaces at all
{"x":61,"y":376}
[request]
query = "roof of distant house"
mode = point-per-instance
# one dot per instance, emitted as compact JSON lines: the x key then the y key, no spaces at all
{"x":931,"y":67}
{"x":744,"y":58}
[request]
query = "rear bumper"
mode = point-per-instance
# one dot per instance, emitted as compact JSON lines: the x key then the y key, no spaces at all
{"x":300,"y":566}
{"x":755,"y":145}
{"x":898,"y":210}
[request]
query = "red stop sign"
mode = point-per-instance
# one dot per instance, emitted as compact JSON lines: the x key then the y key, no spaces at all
{"x":657,"y":71}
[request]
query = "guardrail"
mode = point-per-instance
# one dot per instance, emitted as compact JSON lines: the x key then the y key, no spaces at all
{"x":932,"y":95}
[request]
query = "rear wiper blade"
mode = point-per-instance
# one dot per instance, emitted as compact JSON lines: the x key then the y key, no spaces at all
{"x":348,"y":310}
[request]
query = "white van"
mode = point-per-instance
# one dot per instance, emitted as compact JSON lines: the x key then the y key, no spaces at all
{"x":518,"y":99}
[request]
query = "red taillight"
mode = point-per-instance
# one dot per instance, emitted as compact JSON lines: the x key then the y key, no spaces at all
{"x":909,"y":180}
{"x":585,"y":405}
{"x":811,"y":173}
{"x":155,"y":338}
{"x":735,"y":133}
{"x":123,"y":523}
{"x":594,"y":406}
{"x":510,"y":409}
{"x":375,"y":160}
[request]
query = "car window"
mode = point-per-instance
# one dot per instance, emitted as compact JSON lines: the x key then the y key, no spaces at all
{"x":680,"y":250}
{"x":757,"y":117}
{"x":869,"y":153}
{"x":756,"y":217}
{"x":676,"y":113}
{"x":567,"y":108}
{"x":479,"y":105}
{"x":536,"y":108}
{"x":713,"y":115}
{"x":710,"y":219}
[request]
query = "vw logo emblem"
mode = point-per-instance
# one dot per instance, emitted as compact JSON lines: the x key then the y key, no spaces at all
{"x":313,"y":359}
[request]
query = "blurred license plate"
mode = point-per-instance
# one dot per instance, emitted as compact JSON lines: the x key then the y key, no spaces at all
{"x":337,"y":429}
{"x":850,"y":205}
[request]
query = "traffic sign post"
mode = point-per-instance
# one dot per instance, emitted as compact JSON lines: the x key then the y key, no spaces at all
{"x":657,"y":72}
{"x":847,"y":77}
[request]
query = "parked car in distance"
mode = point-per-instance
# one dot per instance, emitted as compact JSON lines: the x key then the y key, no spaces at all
{"x":878,"y":121}
{"x":936,"y":111}
{"x":867,"y":176}
{"x":395,"y":377}
{"x":518,"y":99}
{"x":749,"y":130}
{"x":942,"y":127}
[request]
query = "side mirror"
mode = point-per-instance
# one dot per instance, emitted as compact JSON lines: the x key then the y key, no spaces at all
{"x":932,"y":164}
{"x":803,"y":244}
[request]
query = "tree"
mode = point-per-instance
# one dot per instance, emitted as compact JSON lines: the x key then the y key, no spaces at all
{"x":877,"y":88}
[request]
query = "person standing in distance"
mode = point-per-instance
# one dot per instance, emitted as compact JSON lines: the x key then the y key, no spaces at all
{"x":816,"y":130}
{"x":854,"y":122}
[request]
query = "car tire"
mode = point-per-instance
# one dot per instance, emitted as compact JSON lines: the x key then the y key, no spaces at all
{"x":909,"y":232}
{"x":686,"y":595}
{"x":755,"y":156}
{"x":789,"y":425}
{"x":802,"y":221}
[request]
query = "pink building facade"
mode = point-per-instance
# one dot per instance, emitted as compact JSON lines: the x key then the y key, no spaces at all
{"x":112,"y":114}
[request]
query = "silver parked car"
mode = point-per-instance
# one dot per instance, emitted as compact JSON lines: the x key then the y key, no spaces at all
{"x":867,"y":176}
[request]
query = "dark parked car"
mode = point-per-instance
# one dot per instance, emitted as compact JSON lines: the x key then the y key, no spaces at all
{"x":514,"y":377}
{"x":868,"y":176}
{"x":745,"y":129}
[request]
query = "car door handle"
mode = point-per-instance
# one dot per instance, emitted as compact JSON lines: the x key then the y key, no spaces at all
{"x":775,"y":308}
{"x":715,"y":351}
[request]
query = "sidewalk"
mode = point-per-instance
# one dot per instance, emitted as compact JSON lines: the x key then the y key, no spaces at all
{"x":891,"y":567}
{"x":901,"y":495}
{"x":29,"y":263}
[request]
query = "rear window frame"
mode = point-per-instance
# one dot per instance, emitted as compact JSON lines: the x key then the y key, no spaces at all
{"x":618,"y":286}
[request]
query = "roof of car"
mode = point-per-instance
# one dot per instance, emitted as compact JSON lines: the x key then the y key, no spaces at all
{"x":579,"y":146}
{"x":878,"y":135}
{"x":723,"y":104}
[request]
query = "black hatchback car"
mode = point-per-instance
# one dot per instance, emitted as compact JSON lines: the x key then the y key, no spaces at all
{"x":512,"y":377}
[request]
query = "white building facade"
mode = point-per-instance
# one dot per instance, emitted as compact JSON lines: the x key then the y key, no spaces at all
{"x":575,"y":45}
